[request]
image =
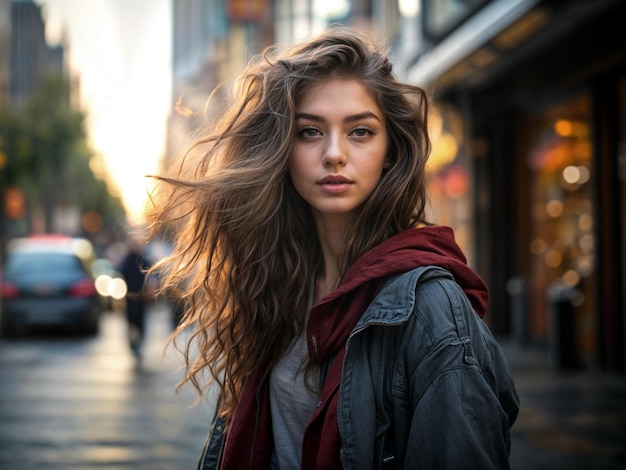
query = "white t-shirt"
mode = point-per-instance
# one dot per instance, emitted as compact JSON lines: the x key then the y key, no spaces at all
{"x":292,"y":404}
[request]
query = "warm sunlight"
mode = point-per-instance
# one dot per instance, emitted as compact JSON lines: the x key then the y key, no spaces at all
{"x":122,"y":52}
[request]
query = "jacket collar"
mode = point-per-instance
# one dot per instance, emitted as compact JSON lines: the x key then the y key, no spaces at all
{"x":396,"y":299}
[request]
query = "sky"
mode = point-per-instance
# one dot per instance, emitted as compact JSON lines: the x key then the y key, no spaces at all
{"x":122,"y":52}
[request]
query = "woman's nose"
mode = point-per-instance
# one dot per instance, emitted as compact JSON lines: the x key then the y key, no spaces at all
{"x":334,"y":153}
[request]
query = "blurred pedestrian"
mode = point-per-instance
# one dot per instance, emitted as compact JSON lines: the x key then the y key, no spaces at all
{"x":134,"y":270}
{"x":342,"y":329}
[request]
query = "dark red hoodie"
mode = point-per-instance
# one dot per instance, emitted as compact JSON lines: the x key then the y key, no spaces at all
{"x":249,"y":441}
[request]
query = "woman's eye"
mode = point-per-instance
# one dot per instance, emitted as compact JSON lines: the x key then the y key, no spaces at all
{"x":362,"y":132}
{"x":309,"y":132}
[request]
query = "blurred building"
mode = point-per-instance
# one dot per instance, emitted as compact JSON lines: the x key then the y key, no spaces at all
{"x":5,"y":38}
{"x":31,"y":58}
{"x":532,"y":101}
{"x":529,"y":140}
{"x":27,"y":60}
{"x":214,"y":39}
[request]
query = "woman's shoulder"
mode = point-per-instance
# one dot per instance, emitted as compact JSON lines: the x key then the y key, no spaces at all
{"x":429,"y":293}
{"x":407,"y":285}
{"x":396,"y":299}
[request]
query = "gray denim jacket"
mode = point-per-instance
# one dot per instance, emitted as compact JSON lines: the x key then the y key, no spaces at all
{"x":424,"y":384}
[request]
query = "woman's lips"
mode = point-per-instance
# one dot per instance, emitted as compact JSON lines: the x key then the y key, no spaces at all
{"x":334,"y":184}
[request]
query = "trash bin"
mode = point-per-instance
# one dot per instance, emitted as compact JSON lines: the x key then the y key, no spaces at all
{"x":561,"y":327}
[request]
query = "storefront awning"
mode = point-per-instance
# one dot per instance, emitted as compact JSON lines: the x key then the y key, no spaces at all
{"x":467,"y":38}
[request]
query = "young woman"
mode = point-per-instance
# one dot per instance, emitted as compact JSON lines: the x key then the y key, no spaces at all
{"x":342,"y":330}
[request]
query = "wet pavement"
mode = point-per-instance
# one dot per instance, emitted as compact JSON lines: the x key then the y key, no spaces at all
{"x":568,"y":419}
{"x":84,"y":403}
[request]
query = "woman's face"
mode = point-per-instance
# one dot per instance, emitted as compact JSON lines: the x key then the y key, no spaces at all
{"x":340,"y":147}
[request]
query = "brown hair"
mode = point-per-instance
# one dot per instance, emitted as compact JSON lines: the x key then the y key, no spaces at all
{"x":246,"y":248}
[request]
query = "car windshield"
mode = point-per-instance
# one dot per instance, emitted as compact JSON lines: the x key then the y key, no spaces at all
{"x":41,"y":262}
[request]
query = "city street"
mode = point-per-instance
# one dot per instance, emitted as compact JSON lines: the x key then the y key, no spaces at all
{"x":73,"y":402}
{"x":70,"y":402}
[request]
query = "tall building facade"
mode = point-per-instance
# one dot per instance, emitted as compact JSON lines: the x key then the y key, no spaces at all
{"x":30,"y":57}
{"x":5,"y":41}
{"x":26,"y":60}
{"x":532,"y":97}
{"x":212,"y":40}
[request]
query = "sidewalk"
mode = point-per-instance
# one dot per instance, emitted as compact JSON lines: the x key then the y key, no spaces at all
{"x":568,"y":419}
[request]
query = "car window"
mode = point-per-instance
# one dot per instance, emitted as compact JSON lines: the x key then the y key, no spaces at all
{"x":47,"y":262}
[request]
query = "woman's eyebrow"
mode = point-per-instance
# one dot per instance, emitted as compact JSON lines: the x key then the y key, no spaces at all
{"x":362,"y":116}
{"x":309,"y":117}
{"x":352,"y":118}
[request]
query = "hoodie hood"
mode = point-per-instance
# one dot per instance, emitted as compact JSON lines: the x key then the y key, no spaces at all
{"x":334,"y":316}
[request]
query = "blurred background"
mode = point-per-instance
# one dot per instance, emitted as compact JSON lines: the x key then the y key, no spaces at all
{"x":528,"y":166}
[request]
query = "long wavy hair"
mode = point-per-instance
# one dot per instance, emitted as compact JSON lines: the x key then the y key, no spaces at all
{"x":245,"y":247}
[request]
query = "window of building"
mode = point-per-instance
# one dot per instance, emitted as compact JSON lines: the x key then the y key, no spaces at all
{"x":449,"y":171}
{"x":561,"y":249}
{"x":442,"y":16}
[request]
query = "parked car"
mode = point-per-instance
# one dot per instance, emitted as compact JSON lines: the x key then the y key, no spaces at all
{"x":45,"y":282}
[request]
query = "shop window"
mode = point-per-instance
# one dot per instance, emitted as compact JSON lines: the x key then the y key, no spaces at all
{"x":561,"y":245}
{"x":449,"y":172}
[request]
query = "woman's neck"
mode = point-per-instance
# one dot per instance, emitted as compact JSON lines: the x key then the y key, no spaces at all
{"x":331,"y":235}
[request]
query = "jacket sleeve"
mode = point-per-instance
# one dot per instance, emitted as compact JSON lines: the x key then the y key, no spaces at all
{"x":462,"y":395}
